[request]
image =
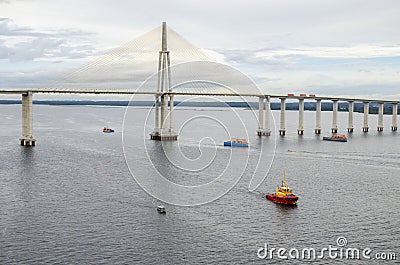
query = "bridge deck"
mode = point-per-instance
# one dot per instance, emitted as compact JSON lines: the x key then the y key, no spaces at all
{"x":177,"y":93}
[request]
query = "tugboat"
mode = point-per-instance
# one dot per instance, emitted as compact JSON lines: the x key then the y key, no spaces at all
{"x":336,"y":137}
{"x":237,"y":142}
{"x":283,"y":194}
{"x":107,"y":130}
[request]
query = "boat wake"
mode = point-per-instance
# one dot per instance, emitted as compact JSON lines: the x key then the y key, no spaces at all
{"x":387,"y":160}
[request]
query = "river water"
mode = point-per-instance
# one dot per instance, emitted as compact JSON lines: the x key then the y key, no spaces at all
{"x":72,"y":199}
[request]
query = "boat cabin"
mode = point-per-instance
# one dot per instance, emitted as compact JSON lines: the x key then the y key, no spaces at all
{"x":161,"y":209}
{"x":339,"y":136}
{"x":239,"y":140}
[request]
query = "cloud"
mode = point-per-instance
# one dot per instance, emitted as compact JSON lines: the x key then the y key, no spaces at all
{"x":327,"y":70}
{"x":19,"y":43}
{"x":356,"y":51}
{"x":275,"y":56}
{"x":8,"y":28}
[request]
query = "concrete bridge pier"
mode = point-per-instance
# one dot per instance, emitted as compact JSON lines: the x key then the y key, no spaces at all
{"x":260,"y":115}
{"x":267,"y":131}
{"x":318,"y":117}
{"x":350,"y":125}
{"x":171,"y":108}
{"x":334,"y":116}
{"x":282,"y":129}
{"x":164,"y":110}
{"x":394,"y":117}
{"x":264,"y":111}
{"x":156,"y":116}
{"x":300,"y":129}
{"x":27,"y":121}
{"x":366,"y":111}
{"x":166,"y":132}
{"x":380,"y":117}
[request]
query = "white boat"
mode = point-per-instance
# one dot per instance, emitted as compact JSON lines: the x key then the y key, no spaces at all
{"x":161,"y":209}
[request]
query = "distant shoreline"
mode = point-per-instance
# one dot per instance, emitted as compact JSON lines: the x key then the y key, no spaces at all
{"x":326,"y":106}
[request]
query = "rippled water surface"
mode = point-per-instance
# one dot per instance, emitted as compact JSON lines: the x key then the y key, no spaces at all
{"x":72,"y":198}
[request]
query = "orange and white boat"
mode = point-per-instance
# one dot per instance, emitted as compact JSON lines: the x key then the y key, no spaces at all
{"x":107,"y":130}
{"x":237,"y":142}
{"x":336,"y":137}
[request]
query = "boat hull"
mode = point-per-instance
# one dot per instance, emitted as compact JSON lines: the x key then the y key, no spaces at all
{"x":292,"y":199}
{"x":235,"y":144}
{"x":108,"y":131}
{"x":162,"y":210}
{"x":334,"y":139}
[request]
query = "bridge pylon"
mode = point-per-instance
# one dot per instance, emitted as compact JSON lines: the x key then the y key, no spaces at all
{"x":163,"y":131}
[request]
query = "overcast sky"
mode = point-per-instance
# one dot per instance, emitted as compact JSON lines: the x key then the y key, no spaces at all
{"x":325,"y":47}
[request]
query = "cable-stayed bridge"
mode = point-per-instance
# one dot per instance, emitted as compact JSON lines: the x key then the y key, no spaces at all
{"x":135,"y":69}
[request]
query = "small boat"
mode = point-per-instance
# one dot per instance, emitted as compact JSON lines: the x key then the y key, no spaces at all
{"x":237,"y":142}
{"x":283,"y":194}
{"x":161,"y":209}
{"x":336,"y":137}
{"x":107,"y":130}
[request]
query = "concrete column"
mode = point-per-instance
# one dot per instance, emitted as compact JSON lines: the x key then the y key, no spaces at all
{"x":155,"y":135}
{"x":394,"y":117}
{"x":300,"y":129}
{"x":366,"y":112}
{"x":24,"y":112}
{"x":171,"y":108}
{"x":282,"y":129}
{"x":260,"y":115}
{"x":318,"y":117}
{"x":267,"y":129}
{"x":334,"y":116}
{"x":156,"y":115}
{"x":350,"y":125}
{"x":380,"y":117}
{"x":163,"y":74}
{"x":164,"y":38}
{"x":27,"y":120}
{"x":163,"y":113}
{"x":27,"y":115}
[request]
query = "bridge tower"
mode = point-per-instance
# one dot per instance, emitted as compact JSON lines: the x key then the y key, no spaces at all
{"x":163,"y":131}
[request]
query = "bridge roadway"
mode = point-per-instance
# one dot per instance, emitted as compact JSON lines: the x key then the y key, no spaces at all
{"x":264,"y":109}
{"x":180,"y":93}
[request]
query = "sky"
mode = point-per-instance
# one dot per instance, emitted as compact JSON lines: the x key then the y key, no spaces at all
{"x":347,"y":48}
